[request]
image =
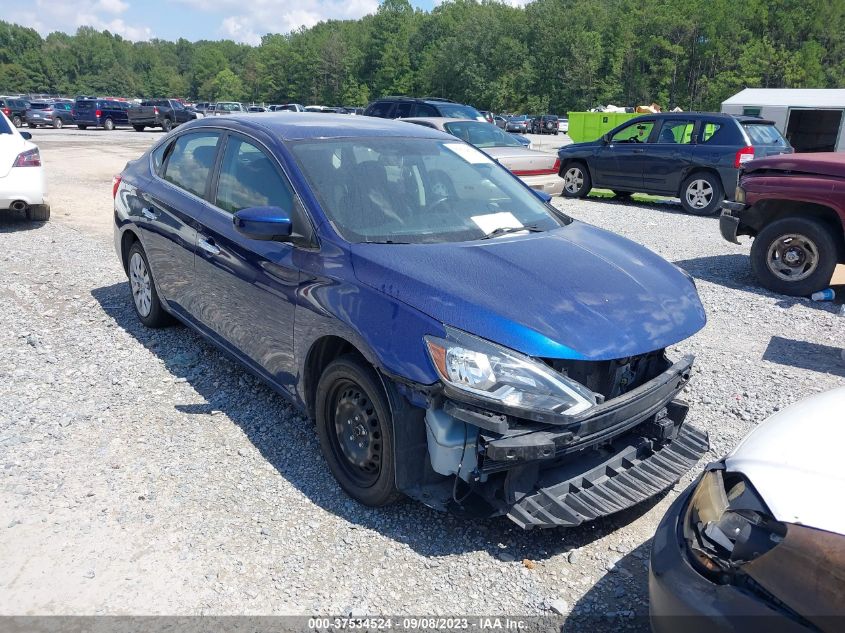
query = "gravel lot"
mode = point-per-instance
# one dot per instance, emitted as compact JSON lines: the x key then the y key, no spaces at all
{"x":142,"y":472}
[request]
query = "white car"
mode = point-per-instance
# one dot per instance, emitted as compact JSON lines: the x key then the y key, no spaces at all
{"x":762,"y":532}
{"x":22,"y":183}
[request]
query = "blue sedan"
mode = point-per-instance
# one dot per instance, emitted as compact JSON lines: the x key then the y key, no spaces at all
{"x":455,"y":338}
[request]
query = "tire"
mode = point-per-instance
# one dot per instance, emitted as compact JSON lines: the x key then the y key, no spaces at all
{"x":167,"y":125}
{"x":82,"y":127}
{"x":17,"y":121}
{"x":38,"y":213}
{"x":58,"y":124}
{"x":810,"y":246}
{"x":139,"y":128}
{"x":142,"y":285}
{"x":576,"y":180}
{"x":350,"y":399}
{"x":701,"y":194}
{"x":108,"y":124}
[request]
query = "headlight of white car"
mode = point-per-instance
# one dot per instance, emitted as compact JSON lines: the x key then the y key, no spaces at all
{"x":496,"y":373}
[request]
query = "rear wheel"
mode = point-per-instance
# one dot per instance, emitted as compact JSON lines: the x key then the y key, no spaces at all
{"x":139,"y":128}
{"x":108,"y":124}
{"x":167,"y":125}
{"x":144,"y":296}
{"x":58,"y":124}
{"x":701,"y":194}
{"x":794,"y":256}
{"x":576,"y":181}
{"x":355,"y":428}
{"x":17,"y":121}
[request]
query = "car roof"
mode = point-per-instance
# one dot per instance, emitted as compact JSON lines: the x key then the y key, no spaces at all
{"x":440,"y":121}
{"x":319,"y":126}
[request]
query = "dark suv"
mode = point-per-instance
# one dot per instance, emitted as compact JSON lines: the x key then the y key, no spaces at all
{"x":546,"y":124}
{"x":104,"y":113}
{"x":15,"y":109}
{"x":406,"y":107}
{"x":695,"y":156}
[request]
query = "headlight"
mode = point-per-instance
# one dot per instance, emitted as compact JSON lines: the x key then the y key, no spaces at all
{"x":727,"y":525}
{"x":496,"y":373}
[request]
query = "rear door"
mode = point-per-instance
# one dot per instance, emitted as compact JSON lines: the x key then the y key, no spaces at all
{"x":247,"y":288}
{"x":619,"y":163}
{"x":172,"y":203}
{"x":669,"y":157}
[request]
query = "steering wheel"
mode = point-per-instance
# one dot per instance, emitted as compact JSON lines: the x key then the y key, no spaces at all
{"x":434,"y":207}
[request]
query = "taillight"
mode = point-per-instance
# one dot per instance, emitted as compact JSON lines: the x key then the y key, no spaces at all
{"x":155,"y":109}
{"x":98,"y":113}
{"x":743,"y":156}
{"x":7,"y":112}
{"x":29,"y":158}
{"x":539,"y":172}
{"x":557,"y":166}
{"x":115,"y":184}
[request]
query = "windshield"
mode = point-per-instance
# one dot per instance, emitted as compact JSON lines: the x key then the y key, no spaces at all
{"x":406,"y":190}
{"x":761,"y":134}
{"x":481,"y":134}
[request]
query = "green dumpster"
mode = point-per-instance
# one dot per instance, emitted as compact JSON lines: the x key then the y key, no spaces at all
{"x":588,"y":126}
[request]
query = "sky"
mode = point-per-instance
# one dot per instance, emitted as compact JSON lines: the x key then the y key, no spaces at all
{"x":240,"y":20}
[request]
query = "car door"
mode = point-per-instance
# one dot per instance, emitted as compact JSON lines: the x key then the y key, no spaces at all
{"x":618,"y":163}
{"x":248,"y":287}
{"x":669,"y":157}
{"x":171,"y":204}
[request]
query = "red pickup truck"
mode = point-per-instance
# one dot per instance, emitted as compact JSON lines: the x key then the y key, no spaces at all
{"x":793,"y":205}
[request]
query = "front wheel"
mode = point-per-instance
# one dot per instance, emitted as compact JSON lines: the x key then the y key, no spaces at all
{"x":144,"y":296}
{"x":355,"y":428}
{"x":794,"y":256}
{"x":576,"y":181}
{"x":701,"y":194}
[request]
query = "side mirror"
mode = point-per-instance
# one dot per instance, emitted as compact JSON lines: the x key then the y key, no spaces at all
{"x":545,"y":197}
{"x":263,"y":223}
{"x":26,"y":136}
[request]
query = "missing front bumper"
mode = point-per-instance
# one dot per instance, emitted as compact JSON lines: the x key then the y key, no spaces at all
{"x":635,"y":471}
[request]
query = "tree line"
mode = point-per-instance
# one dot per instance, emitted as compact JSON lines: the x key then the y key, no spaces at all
{"x":551,"y":56}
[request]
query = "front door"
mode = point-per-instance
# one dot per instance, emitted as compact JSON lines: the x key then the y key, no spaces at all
{"x":619,"y":163}
{"x":248,"y":287}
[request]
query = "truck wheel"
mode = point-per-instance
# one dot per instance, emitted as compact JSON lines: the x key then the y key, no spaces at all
{"x":144,"y":295}
{"x":576,"y":181}
{"x":355,"y":428}
{"x":139,"y":128}
{"x":82,"y":127}
{"x":167,"y":125}
{"x":794,"y":256}
{"x":108,"y":124}
{"x":701,"y":194}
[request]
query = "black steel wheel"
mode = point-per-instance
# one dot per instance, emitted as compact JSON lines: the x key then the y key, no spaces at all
{"x":354,"y":425}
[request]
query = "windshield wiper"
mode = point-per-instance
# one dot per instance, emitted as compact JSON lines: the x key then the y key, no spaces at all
{"x":383,"y":242}
{"x":502,"y":230}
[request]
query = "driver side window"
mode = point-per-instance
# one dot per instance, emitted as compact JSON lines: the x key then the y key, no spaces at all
{"x":634,"y":133}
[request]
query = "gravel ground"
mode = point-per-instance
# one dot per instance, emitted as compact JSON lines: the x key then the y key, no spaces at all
{"x":143,"y":472}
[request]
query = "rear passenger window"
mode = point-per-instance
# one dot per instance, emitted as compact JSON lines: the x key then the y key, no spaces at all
{"x":248,"y":178}
{"x":380,"y":109}
{"x":403,"y":109}
{"x":708,"y":130}
{"x":676,"y":132}
{"x":190,"y":161}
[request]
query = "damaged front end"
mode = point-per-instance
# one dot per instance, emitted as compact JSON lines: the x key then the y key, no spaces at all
{"x":555,"y":442}
{"x":732,"y":539}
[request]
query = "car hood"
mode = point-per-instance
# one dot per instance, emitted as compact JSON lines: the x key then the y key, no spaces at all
{"x":821,"y":163}
{"x":575,"y":292}
{"x":794,"y":461}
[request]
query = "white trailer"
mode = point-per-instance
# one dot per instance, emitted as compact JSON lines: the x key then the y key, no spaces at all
{"x":812,"y":120}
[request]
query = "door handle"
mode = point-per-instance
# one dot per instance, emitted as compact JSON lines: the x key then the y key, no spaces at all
{"x":207,"y":244}
{"x":148,"y":213}
{"x":638,"y":150}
